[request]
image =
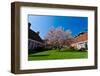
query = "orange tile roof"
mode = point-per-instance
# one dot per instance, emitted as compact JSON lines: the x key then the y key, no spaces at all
{"x":81,"y":37}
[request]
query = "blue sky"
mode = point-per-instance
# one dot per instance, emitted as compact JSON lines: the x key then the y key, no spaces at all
{"x":44,"y":23}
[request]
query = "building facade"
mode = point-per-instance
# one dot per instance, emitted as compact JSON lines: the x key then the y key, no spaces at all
{"x":81,"y":41}
{"x":34,"y":40}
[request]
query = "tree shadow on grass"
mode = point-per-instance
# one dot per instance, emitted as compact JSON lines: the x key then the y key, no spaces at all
{"x":37,"y":50}
{"x":39,"y":55}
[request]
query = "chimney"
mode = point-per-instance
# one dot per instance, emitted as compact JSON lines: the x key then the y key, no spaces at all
{"x":29,"y":25}
{"x":38,"y":32}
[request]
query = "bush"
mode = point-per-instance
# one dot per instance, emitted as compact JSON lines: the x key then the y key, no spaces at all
{"x":69,"y":49}
{"x":72,"y":48}
{"x":82,"y":49}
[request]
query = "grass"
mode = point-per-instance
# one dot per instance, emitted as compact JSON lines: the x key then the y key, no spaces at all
{"x":56,"y":54}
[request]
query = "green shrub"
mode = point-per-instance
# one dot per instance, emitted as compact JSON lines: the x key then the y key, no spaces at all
{"x":82,"y":49}
{"x":68,"y":49}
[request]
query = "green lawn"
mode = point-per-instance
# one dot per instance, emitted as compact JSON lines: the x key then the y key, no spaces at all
{"x":56,"y":54}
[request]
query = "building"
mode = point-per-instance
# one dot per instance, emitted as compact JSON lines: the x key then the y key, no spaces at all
{"x":34,"y":40}
{"x":80,"y":41}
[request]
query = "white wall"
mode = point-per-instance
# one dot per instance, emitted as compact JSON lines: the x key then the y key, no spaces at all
{"x":5,"y":33}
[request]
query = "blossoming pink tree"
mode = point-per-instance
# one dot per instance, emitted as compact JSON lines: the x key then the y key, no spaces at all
{"x":57,"y":37}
